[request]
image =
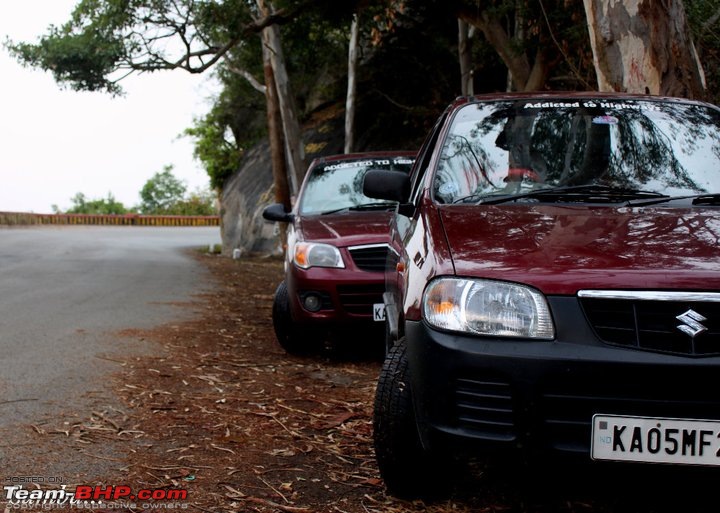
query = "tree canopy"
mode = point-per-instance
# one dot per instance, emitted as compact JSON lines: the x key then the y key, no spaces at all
{"x":105,"y":40}
{"x":162,"y":194}
{"x":408,"y":58}
{"x":81,"y":204}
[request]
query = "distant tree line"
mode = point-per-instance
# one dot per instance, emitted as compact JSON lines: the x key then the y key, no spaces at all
{"x":163,"y":194}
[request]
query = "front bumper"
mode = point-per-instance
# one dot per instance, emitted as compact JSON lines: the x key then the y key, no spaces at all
{"x":347,"y":295}
{"x":538,"y":396}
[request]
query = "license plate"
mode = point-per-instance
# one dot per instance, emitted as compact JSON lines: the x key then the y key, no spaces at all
{"x":656,"y":440}
{"x":379,"y":312}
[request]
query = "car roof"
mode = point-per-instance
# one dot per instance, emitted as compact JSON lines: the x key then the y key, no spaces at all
{"x":579,"y":95}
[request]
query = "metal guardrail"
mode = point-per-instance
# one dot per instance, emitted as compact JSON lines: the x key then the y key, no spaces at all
{"x":21,"y":218}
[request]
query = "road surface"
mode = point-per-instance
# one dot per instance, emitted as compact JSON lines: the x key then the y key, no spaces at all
{"x":65,"y":293}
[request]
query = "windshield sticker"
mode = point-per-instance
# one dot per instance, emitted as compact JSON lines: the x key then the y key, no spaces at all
{"x":553,"y":105}
{"x":605,"y":120}
{"x":363,"y":163}
{"x":368,"y":163}
{"x":590,"y":104}
{"x":346,"y":165}
{"x":448,"y":189}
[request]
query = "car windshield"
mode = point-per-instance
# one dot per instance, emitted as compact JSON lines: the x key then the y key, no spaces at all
{"x":606,"y":150}
{"x":338,"y":185}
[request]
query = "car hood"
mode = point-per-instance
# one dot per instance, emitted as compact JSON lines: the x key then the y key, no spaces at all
{"x":346,"y":228}
{"x":563,"y":249}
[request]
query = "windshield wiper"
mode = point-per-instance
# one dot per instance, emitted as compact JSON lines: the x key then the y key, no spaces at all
{"x":367,"y":206}
{"x":374,"y":206}
{"x":697,"y":199}
{"x":334,"y":211}
{"x":707,"y":199}
{"x":573,"y":193}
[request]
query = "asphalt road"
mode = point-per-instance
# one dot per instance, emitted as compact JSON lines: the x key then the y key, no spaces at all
{"x":65,"y":293}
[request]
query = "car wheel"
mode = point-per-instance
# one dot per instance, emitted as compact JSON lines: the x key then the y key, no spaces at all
{"x":293,"y":339}
{"x":409,"y":470}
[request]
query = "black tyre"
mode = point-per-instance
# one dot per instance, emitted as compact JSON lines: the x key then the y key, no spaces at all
{"x":292,"y":338}
{"x":409,"y":470}
{"x":389,"y":339}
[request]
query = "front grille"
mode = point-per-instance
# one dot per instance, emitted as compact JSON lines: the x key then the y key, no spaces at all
{"x":567,"y":410}
{"x":485,"y":407}
{"x":653,"y":325}
{"x":558,"y":411}
{"x":359,"y":299}
{"x":370,"y":258}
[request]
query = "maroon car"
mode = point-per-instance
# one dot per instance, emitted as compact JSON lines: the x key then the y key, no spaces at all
{"x":555,"y":288}
{"x":336,"y":251}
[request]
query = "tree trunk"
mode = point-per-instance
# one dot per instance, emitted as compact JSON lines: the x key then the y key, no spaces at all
{"x":520,"y":37}
{"x":291,"y":126}
{"x":644,"y":46}
{"x":352,"y":86}
{"x":275,"y":136}
{"x":465,"y":58}
{"x":522,"y":75}
{"x":517,"y":62}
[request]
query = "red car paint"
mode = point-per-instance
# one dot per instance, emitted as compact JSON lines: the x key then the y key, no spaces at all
{"x":331,"y":211}
{"x":605,"y":210}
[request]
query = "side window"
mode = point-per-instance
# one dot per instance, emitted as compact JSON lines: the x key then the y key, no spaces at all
{"x":424,"y":156}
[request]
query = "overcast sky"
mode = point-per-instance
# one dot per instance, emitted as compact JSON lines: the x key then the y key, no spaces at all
{"x":55,"y":143}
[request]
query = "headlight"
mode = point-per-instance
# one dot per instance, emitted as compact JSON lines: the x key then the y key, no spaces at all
{"x":487,"y":307}
{"x":314,"y":254}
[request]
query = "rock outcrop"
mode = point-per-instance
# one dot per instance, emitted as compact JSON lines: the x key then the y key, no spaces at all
{"x":250,"y":189}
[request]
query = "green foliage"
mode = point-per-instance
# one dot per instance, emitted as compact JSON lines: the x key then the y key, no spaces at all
{"x":84,"y":52}
{"x":165,"y":194}
{"x":219,"y":156}
{"x":82,"y":205}
{"x":552,"y":32}
{"x":161,"y":192}
{"x":704,"y":20}
{"x":408,"y":74}
{"x":81,"y":61}
{"x":315,"y":51}
{"x":213,"y":249}
{"x":237,"y":119}
{"x":222,"y":21}
{"x":105,"y":40}
{"x":198,"y":203}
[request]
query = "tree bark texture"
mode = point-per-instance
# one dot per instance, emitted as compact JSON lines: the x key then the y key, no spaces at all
{"x":526,"y":76}
{"x":644,"y":46}
{"x":352,"y":86}
{"x":466,"y":77}
{"x":275,"y":136}
{"x":291,"y":125}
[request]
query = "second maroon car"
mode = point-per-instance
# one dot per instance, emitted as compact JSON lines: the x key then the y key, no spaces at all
{"x":337,"y":246}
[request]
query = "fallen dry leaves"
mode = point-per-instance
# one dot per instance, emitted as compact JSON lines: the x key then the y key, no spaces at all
{"x":226,"y":414}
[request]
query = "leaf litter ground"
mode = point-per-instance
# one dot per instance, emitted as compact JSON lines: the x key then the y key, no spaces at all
{"x":229,"y":416}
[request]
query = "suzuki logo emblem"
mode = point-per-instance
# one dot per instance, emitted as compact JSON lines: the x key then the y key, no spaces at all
{"x":691,"y":323}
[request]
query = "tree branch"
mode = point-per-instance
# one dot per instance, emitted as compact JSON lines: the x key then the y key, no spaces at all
{"x":710,"y":22}
{"x":517,"y":63}
{"x":248,"y":76}
{"x":572,"y":67}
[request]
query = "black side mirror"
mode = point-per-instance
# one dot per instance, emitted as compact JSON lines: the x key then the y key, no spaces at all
{"x":276,"y":212}
{"x":387,"y":185}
